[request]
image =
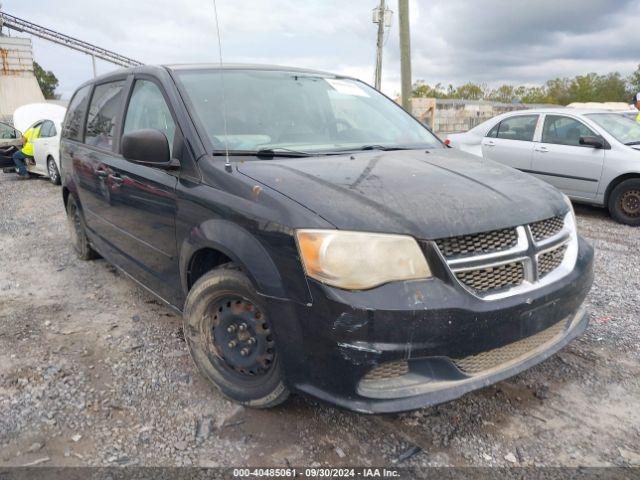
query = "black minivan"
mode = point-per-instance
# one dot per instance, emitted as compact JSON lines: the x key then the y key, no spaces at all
{"x":317,"y":238}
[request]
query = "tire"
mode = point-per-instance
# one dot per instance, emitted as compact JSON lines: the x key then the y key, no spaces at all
{"x":222,"y":313}
{"x":79,"y":239}
{"x":52,"y":169}
{"x":624,"y":202}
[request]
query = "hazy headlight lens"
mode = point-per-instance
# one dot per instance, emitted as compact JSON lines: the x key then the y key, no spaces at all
{"x":357,"y":260}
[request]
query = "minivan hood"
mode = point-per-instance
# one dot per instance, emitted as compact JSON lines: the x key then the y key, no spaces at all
{"x":434,"y":194}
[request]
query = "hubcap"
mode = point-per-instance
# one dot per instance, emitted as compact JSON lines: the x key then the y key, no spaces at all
{"x":52,"y":170}
{"x":240,"y":336}
{"x":630,"y":203}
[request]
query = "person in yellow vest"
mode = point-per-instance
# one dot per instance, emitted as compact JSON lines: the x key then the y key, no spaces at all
{"x":26,"y":152}
{"x":637,"y":104}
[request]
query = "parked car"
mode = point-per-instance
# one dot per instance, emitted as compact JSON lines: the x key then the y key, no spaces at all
{"x":9,"y":143}
{"x":591,"y":155}
{"x":317,"y":238}
{"x":46,"y":118}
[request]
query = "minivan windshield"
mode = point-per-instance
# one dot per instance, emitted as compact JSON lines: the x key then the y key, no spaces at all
{"x":625,"y":130}
{"x":297,"y":113}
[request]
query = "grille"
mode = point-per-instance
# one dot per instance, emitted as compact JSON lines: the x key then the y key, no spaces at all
{"x":479,"y":243}
{"x":546,"y":228}
{"x":387,"y":370}
{"x":549,"y":261}
{"x":475,"y":364}
{"x":493,"y":278}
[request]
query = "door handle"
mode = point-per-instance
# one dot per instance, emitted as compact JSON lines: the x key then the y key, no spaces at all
{"x":490,"y":143}
{"x":116,"y":178}
{"x":541,"y":149}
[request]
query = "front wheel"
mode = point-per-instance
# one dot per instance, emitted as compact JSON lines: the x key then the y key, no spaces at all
{"x":52,"y":169}
{"x":79,"y":239}
{"x":230,"y":339}
{"x":624,"y":202}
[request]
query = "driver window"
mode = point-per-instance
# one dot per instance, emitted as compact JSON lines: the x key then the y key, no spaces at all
{"x":148,"y":109}
{"x":564,"y":130}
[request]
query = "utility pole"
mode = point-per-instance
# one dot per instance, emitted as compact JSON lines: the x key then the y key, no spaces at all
{"x":405,"y":54}
{"x":382,"y":17}
{"x":378,"y":78}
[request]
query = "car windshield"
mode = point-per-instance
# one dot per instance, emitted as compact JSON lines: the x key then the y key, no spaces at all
{"x":625,"y":130}
{"x":297,"y":113}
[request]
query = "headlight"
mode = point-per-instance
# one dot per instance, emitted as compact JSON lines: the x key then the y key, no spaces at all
{"x":357,"y":260}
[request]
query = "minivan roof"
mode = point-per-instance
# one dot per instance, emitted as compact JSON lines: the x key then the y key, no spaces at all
{"x":120,"y":73}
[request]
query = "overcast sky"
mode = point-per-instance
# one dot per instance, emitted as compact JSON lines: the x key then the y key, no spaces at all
{"x":489,"y":41}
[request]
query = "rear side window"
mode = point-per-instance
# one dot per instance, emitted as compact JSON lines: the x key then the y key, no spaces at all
{"x":521,"y":128}
{"x":103,"y":110}
{"x":148,"y":109}
{"x":75,"y":114}
{"x":562,"y":130}
{"x":47,"y":129}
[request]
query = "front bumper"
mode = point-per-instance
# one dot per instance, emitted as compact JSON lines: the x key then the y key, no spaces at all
{"x":329,"y":346}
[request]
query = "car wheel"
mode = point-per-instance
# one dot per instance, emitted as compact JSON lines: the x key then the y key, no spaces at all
{"x":52,"y":169}
{"x":624,"y":202}
{"x":229,"y":335}
{"x":77,"y":232}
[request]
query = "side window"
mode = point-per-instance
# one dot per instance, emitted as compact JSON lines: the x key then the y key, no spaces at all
{"x":148,"y":109}
{"x":562,"y":130}
{"x":46,"y":129}
{"x":75,"y":114}
{"x":521,"y":127}
{"x":7,"y":131}
{"x":493,"y":133}
{"x":103,"y":110}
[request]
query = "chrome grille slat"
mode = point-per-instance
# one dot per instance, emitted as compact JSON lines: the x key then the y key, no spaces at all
{"x":502,"y":262}
{"x":488,"y":242}
{"x":493,"y":278}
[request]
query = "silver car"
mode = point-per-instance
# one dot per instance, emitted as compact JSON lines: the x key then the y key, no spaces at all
{"x":591,"y":155}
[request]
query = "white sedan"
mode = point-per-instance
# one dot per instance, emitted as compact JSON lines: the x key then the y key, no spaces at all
{"x":47,"y":119}
{"x":591,"y":155}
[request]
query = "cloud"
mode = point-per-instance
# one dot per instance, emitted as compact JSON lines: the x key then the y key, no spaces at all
{"x":453,"y":41}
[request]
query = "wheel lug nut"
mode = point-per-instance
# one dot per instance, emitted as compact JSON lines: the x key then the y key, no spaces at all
{"x":251,"y":341}
{"x":232,"y":344}
{"x":231,"y":328}
{"x":242,"y":327}
{"x":244,"y":352}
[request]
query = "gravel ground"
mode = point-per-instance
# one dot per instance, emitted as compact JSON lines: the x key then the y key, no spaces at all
{"x":94,"y":371}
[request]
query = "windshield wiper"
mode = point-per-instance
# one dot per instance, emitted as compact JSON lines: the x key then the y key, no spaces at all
{"x":384,"y":148}
{"x":632,"y":143}
{"x":263,"y":153}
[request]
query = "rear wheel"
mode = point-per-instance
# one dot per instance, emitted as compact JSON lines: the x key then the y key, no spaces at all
{"x":79,"y":239}
{"x":229,"y":335}
{"x":624,"y":202}
{"x":52,"y":169}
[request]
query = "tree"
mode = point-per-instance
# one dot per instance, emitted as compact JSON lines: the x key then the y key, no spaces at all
{"x":634,"y":81}
{"x":47,"y":81}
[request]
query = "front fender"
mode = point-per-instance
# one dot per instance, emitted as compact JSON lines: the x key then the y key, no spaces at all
{"x":239,"y":245}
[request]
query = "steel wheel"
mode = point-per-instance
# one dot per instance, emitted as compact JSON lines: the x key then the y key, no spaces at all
{"x":624,"y":202}
{"x":630,"y":203}
{"x":239,"y":337}
{"x":231,"y":339}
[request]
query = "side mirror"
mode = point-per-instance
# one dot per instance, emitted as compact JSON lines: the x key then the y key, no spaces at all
{"x":592,"y":141}
{"x":148,"y":147}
